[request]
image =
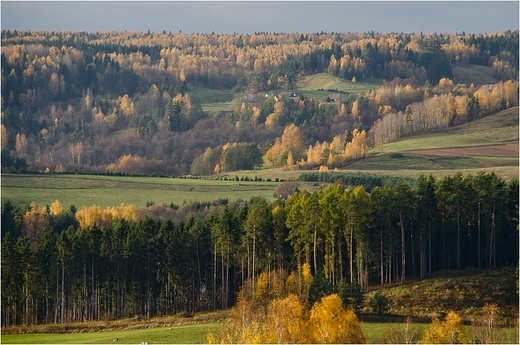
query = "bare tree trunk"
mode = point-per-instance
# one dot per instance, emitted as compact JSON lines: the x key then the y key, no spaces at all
{"x":381,"y":254}
{"x":478,"y":222}
{"x":403,"y":253}
{"x":62,"y":290}
{"x":458,"y":235}
{"x":215,"y":278}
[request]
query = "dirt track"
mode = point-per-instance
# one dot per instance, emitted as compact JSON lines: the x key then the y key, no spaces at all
{"x":509,"y":150}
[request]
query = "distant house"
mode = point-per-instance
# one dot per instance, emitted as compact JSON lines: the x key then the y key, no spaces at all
{"x":335,"y":97}
{"x":296,"y":95}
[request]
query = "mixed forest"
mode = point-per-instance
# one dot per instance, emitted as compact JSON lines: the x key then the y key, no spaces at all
{"x":121,"y":103}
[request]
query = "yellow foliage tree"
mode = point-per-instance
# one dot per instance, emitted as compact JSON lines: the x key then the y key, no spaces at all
{"x":358,"y":147}
{"x":286,"y":322}
{"x":255,"y":116}
{"x":95,"y":214}
{"x":272,"y":156}
{"x":56,"y":208}
{"x":292,"y":140}
{"x":331,"y":323}
{"x":5,"y":139}
{"x":449,"y":331}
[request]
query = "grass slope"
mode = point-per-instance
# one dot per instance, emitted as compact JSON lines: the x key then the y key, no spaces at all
{"x":324,"y":81}
{"x":464,"y":292}
{"x":473,"y":74}
{"x":183,"y":334}
{"x":497,"y":129}
{"x":85,"y":190}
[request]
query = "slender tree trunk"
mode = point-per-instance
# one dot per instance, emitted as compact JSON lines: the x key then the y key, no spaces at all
{"x":429,"y":247}
{"x":254,"y":256}
{"x":422,"y":258}
{"x":57,"y":292}
{"x":215,"y":278}
{"x":222,"y":282}
{"x":381,"y":272}
{"x":314,"y":244}
{"x":351,"y":254}
{"x":340,"y":257}
{"x":492,"y":262}
{"x":62,"y":291}
{"x":458,"y":235}
{"x":200,"y":275}
{"x":403,"y":253}
{"x":478,"y":222}
{"x":413,"y":251}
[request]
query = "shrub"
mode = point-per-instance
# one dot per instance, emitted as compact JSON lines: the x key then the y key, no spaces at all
{"x":379,"y":303}
{"x":449,"y":331}
{"x":351,"y":295}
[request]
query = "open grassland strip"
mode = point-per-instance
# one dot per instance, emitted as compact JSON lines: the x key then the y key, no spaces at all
{"x":475,"y":74}
{"x":206,"y":95}
{"x":213,"y":108}
{"x":180,"y":334}
{"x":505,"y":172}
{"x":422,"y":162}
{"x":324,"y":81}
{"x":498,"y":128}
{"x":376,"y":333}
{"x":85,"y":190}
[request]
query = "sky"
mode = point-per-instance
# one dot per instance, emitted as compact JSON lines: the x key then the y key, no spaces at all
{"x":247,"y":17}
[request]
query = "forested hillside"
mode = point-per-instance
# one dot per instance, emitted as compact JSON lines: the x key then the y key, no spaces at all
{"x":119,"y":102}
{"x":63,"y":264}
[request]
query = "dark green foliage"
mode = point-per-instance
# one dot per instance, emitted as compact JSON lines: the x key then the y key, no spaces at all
{"x":319,"y":288}
{"x":351,"y":294}
{"x":12,"y":164}
{"x":242,"y":156}
{"x":10,"y":220}
{"x":368,"y":181}
{"x":379,"y":303}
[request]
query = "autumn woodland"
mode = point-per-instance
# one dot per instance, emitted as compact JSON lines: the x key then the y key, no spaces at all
{"x":129,"y":103}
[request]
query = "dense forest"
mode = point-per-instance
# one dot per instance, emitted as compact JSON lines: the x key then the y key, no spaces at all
{"x":66,"y":264}
{"x":119,"y":102}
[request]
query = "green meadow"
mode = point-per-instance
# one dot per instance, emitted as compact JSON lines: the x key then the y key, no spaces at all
{"x":85,"y":190}
{"x":376,"y":333}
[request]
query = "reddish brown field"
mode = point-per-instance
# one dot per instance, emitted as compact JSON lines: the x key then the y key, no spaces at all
{"x":508,"y":150}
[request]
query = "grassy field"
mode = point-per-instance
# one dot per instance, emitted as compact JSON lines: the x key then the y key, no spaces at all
{"x":475,"y":74}
{"x":183,"y":334}
{"x":376,"y":333}
{"x":497,"y":129}
{"x":85,"y":190}
{"x":324,"y":81}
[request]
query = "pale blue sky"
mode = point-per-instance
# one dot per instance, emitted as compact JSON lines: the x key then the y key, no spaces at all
{"x":269,"y":16}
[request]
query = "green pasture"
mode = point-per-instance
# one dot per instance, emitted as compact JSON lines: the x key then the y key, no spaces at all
{"x":85,"y":190}
{"x":475,"y":74}
{"x":324,"y":81}
{"x":498,"y":128}
{"x":410,"y":161}
{"x":206,"y":95}
{"x":185,"y":334}
{"x":376,"y":333}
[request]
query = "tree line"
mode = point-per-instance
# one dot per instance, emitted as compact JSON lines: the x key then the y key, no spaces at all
{"x":63,"y":265}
